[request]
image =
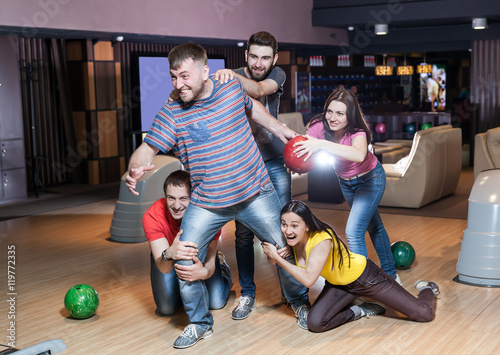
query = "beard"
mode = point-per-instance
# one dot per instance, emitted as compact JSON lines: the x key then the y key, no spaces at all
{"x":195,"y":93}
{"x":258,"y":76}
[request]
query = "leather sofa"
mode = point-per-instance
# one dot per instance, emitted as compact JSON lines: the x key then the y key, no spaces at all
{"x":431,"y":171}
{"x":390,"y":152}
{"x":487,"y":151}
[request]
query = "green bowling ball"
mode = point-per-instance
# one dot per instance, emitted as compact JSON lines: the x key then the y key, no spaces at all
{"x":404,"y":255}
{"x":81,"y":301}
{"x":426,"y":125}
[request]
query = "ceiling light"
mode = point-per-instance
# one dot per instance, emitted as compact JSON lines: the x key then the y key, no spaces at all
{"x":240,"y":44}
{"x":479,"y":23}
{"x":424,"y":68}
{"x":404,"y":69}
{"x":350,"y":28}
{"x":381,"y":29}
{"x":383,"y":70}
{"x":117,"y":39}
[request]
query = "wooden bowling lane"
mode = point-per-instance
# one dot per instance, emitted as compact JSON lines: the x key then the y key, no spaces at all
{"x":57,"y":250}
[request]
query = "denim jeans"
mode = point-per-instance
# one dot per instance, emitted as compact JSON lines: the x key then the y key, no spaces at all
{"x":363,"y":195}
{"x":282,"y":181}
{"x":166,"y":288}
{"x":260,"y":213}
{"x":331,"y":308}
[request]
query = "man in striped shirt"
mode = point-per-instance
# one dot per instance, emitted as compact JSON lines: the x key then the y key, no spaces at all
{"x":207,"y":129}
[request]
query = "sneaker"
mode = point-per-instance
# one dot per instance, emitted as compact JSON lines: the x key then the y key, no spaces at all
{"x":244,"y":306}
{"x":190,"y":336}
{"x":301,"y":314}
{"x":422,"y":284}
{"x":224,"y":267}
{"x":398,"y":280}
{"x":369,"y":309}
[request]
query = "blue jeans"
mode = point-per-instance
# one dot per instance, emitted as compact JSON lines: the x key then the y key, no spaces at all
{"x":363,"y":194}
{"x":282,"y":181}
{"x":261,"y":213}
{"x":166,"y":288}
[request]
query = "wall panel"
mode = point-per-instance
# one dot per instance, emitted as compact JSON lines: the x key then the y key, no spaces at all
{"x":49,"y":139}
{"x":485,"y":83}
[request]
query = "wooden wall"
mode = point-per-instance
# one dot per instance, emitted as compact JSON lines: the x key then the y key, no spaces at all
{"x":95,"y":84}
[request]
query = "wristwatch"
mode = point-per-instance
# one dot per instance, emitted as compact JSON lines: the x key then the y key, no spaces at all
{"x":164,"y":256}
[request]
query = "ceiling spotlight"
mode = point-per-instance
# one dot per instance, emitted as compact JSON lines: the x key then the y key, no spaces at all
{"x":240,"y":44}
{"x":350,"y":28}
{"x":381,"y":29}
{"x":116,"y":40}
{"x":479,"y":23}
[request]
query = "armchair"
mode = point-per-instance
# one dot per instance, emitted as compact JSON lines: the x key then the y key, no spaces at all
{"x":431,"y":170}
{"x":487,"y":151}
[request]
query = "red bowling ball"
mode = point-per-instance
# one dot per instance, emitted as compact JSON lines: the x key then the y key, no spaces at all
{"x":297,"y":165}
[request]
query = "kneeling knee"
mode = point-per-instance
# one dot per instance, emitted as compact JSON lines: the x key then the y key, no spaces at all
{"x":424,"y":316}
{"x":217,"y":304}
{"x":313,"y":324}
{"x":165,"y":310}
{"x":315,"y":328}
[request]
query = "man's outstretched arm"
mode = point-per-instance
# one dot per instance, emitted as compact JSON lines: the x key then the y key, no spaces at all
{"x":139,"y":164}
{"x":259,"y":115}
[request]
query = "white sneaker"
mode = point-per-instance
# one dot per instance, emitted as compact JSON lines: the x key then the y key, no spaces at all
{"x":369,"y":309}
{"x":422,"y":284}
{"x":301,"y":314}
{"x":398,"y":280}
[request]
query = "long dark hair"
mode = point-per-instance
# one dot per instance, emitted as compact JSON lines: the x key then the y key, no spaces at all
{"x":315,"y":225}
{"x":355,"y":117}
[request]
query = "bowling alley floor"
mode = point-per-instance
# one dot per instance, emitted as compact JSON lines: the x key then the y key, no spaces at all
{"x":58,"y":197}
{"x":58,"y":249}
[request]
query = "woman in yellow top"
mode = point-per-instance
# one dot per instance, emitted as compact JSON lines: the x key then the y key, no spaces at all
{"x":319,"y":252}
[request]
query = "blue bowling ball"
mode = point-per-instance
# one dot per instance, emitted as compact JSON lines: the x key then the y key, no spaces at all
{"x":411,"y":127}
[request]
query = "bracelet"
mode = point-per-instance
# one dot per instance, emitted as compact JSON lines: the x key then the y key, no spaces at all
{"x":164,"y":256}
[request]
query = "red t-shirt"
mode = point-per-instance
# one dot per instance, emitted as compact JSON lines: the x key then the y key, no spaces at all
{"x":159,"y":223}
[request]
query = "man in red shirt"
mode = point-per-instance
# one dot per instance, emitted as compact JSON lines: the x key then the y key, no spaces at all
{"x":161,"y":224}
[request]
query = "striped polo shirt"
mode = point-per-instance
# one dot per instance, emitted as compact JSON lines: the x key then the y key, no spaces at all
{"x":213,"y":140}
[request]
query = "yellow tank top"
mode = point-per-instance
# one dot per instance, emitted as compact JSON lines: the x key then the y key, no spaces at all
{"x":336,"y":276}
